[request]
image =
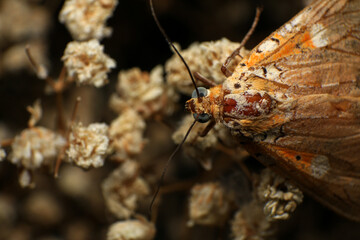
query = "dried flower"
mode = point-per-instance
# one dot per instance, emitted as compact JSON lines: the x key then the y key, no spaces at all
{"x":35,"y":147}
{"x":88,"y":145}
{"x":126,"y":134}
{"x":205,"y":58}
{"x":2,"y":154}
{"x":146,"y":93}
{"x":36,"y":113}
{"x":280,"y":196}
{"x":85,"y":19}
{"x":26,"y":179}
{"x":87,"y":62}
{"x":250,"y":223}
{"x":209,"y":205}
{"x":131,"y":230}
{"x":123,"y":189}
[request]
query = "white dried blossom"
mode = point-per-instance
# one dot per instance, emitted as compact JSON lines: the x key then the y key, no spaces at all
{"x":280,"y":196}
{"x":131,"y":230}
{"x":36,"y":113}
{"x":144,"y":92}
{"x":205,"y":58}
{"x":2,"y":154}
{"x":85,"y":19}
{"x":126,"y":134}
{"x":209,"y":205}
{"x":26,"y":179}
{"x":250,"y":223}
{"x":35,"y":147}
{"x":123,"y":189}
{"x":87,"y":63}
{"x":88,"y":145}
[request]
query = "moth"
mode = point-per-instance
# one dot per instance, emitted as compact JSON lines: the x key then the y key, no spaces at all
{"x":295,"y":98}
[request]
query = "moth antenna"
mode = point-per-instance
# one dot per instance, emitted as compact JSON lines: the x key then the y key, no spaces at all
{"x":173,"y":46}
{"x":167,"y":165}
{"x":224,"y":68}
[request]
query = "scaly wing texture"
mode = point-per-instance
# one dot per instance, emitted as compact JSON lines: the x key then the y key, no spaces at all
{"x":311,"y":66}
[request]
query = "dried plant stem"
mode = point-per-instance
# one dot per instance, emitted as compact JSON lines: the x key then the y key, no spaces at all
{"x":6,"y":142}
{"x":62,"y":152}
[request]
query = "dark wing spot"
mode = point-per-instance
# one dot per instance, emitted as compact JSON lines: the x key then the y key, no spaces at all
{"x":242,"y":75}
{"x":242,"y":64}
{"x":264,"y":70}
{"x":275,"y":40}
{"x":298,"y":157}
{"x":237,"y":85}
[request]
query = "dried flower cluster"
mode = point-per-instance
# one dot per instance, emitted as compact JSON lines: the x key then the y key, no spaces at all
{"x":33,"y":148}
{"x":205,"y":58}
{"x":209,"y":205}
{"x":126,"y":133}
{"x":280,"y":196}
{"x":250,"y":223}
{"x":123,"y":189}
{"x":144,"y":92}
{"x":87,"y":63}
{"x":131,"y":230}
{"x":85,"y":19}
{"x":88,"y":145}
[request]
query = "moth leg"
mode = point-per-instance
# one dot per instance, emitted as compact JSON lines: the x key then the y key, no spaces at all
{"x":208,"y":83}
{"x":207,"y":129}
{"x":236,"y":52}
{"x":224,"y":68}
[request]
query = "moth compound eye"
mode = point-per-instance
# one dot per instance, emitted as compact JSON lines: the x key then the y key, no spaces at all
{"x":202,"y":91}
{"x":202,"y":118}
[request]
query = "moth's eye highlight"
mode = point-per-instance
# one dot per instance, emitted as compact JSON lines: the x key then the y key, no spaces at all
{"x":202,"y":118}
{"x":202,"y":91}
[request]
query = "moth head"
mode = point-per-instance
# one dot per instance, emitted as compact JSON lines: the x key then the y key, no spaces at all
{"x":205,"y":106}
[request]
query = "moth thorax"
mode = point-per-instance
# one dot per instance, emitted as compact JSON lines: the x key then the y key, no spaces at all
{"x":247,"y":104}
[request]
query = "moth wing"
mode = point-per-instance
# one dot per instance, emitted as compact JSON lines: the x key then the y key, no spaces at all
{"x":317,"y":51}
{"x":315,"y":175}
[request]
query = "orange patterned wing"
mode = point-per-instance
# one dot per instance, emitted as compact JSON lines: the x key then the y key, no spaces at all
{"x":314,"y":173}
{"x":318,"y":51}
{"x":310,"y":69}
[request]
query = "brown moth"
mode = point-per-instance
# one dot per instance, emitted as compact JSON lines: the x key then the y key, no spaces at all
{"x":296,"y":99}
